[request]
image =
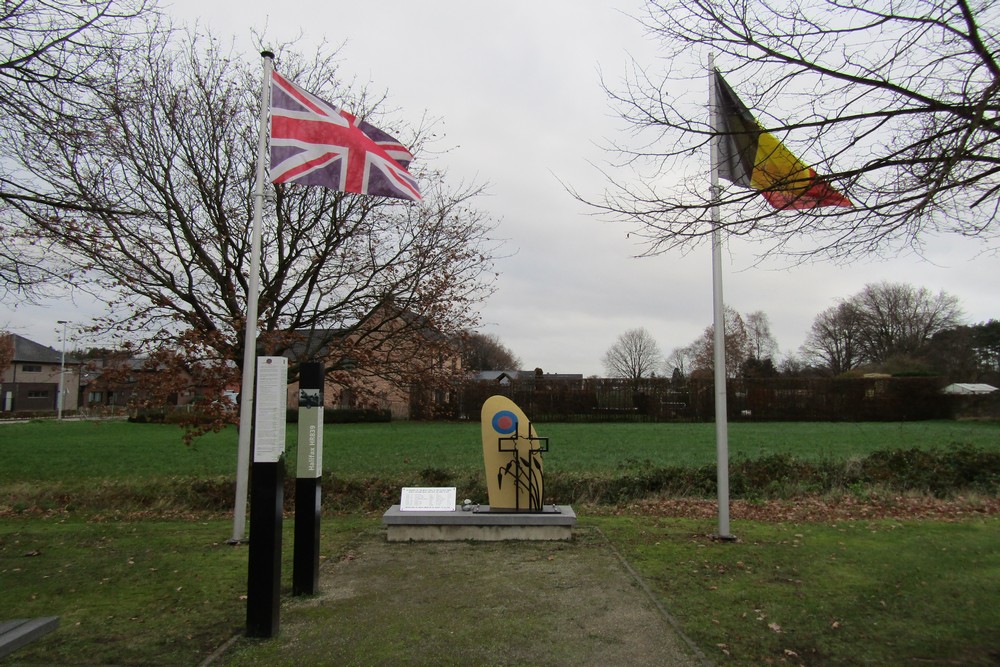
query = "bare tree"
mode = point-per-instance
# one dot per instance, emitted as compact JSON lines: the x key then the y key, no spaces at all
{"x":736,"y":345}
{"x":833,"y":341}
{"x":53,"y":55}
{"x":486,"y":352}
{"x":895,"y":104}
{"x":634,"y":355}
{"x":882,"y":321}
{"x":679,"y":362}
{"x":792,"y":365}
{"x":761,"y":343}
{"x":369,"y":284}
{"x":896,"y":319}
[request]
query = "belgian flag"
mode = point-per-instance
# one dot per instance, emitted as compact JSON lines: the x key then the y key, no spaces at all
{"x":753,"y":158}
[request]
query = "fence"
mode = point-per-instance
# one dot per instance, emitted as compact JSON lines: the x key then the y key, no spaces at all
{"x":662,"y":400}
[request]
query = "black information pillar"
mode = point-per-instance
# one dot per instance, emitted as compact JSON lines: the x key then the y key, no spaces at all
{"x":264,"y":570}
{"x":308,"y":478}
{"x":267,"y":477}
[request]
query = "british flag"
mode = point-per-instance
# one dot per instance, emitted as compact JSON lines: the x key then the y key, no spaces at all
{"x":315,"y":143}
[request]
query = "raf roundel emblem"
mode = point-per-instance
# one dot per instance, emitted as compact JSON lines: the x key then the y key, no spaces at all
{"x":505,"y":422}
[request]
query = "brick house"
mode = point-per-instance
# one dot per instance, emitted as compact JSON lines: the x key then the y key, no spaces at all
{"x":30,"y":382}
{"x":398,"y":365}
{"x":115,"y":383}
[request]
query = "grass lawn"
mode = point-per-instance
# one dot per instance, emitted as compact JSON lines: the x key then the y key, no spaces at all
{"x":124,"y":591}
{"x":845,"y":593}
{"x":148,"y":592}
{"x":854,"y":592}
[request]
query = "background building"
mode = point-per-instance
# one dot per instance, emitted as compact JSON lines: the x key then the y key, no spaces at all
{"x":30,"y":381}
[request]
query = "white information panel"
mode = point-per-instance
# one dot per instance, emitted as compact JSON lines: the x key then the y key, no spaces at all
{"x":427,"y":499}
{"x":269,"y":409}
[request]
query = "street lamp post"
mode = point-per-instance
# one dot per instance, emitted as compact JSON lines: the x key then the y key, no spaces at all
{"x":62,"y":369}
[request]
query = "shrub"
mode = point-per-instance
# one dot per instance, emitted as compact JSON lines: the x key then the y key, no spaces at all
{"x":936,"y":471}
{"x":345,"y":416}
{"x":351,"y":416}
{"x":148,"y":417}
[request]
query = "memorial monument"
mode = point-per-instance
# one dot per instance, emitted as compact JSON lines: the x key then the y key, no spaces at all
{"x":512,"y":456}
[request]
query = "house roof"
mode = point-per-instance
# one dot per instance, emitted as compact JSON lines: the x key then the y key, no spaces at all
{"x":316,"y":343}
{"x":30,"y":351}
{"x":968,"y":388}
{"x":497,"y":376}
{"x":313,"y":344}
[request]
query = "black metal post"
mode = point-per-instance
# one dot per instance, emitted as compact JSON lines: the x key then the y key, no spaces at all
{"x":264,"y":567}
{"x":305,"y":559}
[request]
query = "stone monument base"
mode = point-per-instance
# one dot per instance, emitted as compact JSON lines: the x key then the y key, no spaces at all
{"x":482,"y":524}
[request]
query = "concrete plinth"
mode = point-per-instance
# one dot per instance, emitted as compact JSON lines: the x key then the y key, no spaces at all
{"x":481,"y":525}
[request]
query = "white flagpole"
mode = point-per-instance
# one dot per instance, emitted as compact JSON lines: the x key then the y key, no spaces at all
{"x":250,"y":341}
{"x":721,"y":418}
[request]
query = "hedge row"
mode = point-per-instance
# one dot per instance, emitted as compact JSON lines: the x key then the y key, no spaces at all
{"x":941,"y":473}
{"x":340,"y":416}
{"x":345,"y":416}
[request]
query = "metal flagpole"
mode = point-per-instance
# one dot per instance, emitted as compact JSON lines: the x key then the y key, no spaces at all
{"x":250,"y":341}
{"x":721,"y":418}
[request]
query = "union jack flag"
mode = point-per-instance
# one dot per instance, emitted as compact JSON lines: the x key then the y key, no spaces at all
{"x":315,"y":143}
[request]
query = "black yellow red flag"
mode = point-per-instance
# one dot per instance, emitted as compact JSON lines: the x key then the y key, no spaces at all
{"x":751,"y":157}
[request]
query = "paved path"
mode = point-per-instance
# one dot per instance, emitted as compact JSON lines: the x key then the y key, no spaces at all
{"x":464,"y":603}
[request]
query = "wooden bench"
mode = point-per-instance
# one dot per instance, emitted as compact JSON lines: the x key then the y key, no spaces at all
{"x":15,"y":634}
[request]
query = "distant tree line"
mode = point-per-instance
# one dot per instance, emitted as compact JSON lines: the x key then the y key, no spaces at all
{"x":887,"y":327}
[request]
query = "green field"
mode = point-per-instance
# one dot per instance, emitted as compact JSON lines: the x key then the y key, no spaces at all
{"x":86,"y":534}
{"x":54,"y":451}
{"x":121,"y":467}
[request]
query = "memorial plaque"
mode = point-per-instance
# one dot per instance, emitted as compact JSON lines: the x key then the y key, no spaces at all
{"x":269,"y":404}
{"x":427,"y":499}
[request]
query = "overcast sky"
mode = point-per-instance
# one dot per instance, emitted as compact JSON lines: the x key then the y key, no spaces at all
{"x":517,"y":85}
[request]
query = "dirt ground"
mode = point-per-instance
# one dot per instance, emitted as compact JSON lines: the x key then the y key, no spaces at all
{"x":821,"y":508}
{"x":474,"y":603}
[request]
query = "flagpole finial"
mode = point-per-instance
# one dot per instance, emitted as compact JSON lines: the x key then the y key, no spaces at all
{"x":266,"y":54}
